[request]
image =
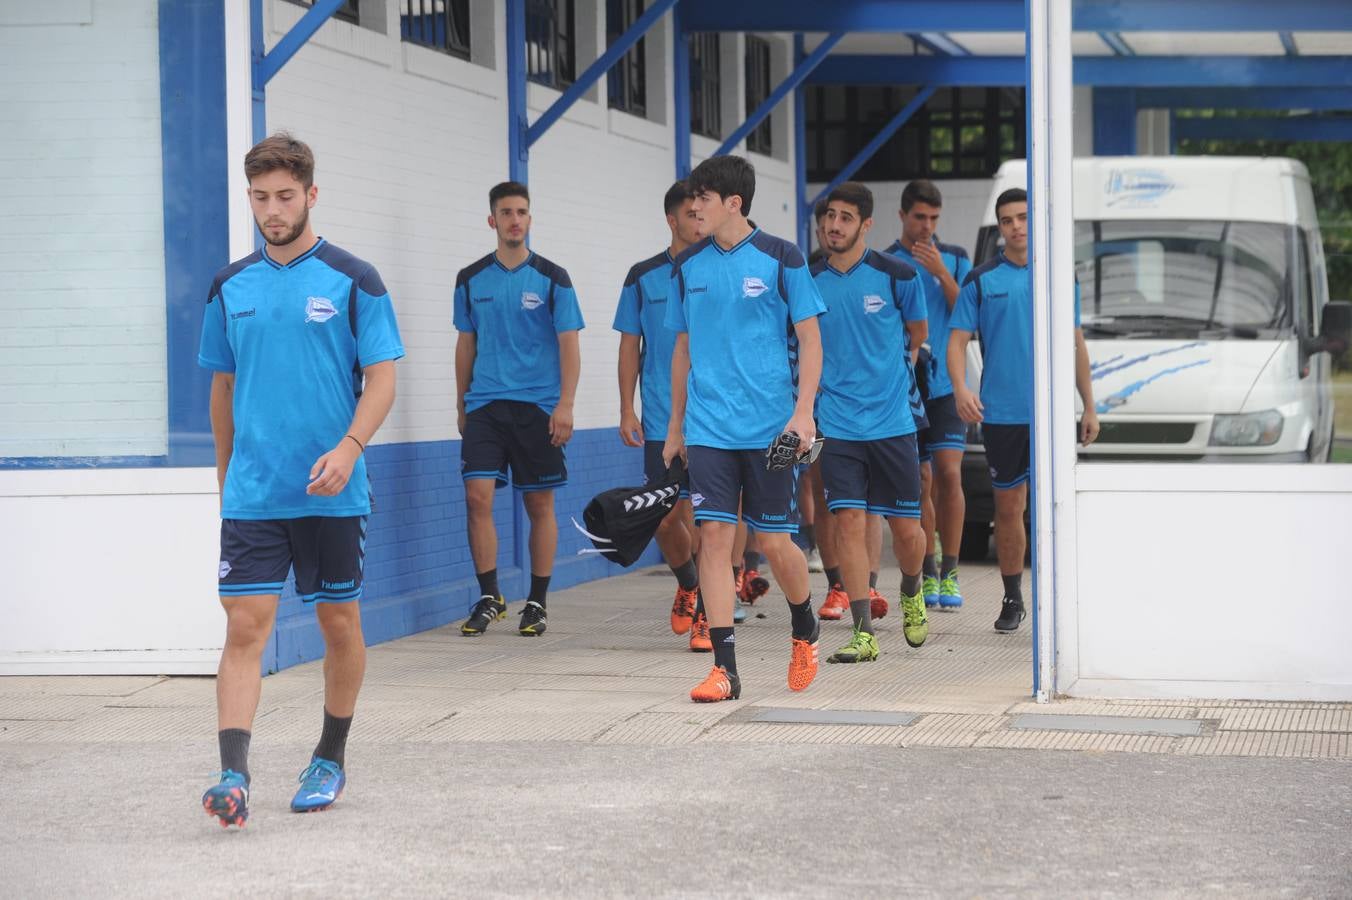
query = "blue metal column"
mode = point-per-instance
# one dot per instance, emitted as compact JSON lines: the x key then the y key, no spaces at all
{"x":803,"y":211}
{"x":256,"y":82}
{"x":517,"y":123}
{"x":1114,"y":121}
{"x":680,"y":103}
{"x":796,"y":77}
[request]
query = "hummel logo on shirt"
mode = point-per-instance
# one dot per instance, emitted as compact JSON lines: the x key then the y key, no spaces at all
{"x":753,"y":287}
{"x":484,"y":299}
{"x":530,"y":300}
{"x":319,"y":309}
{"x":872,"y":303}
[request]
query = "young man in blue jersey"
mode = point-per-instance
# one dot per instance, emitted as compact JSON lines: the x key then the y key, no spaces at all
{"x":740,"y":288}
{"x":646,"y":344}
{"x":942,"y":268}
{"x":516,"y":368}
{"x":302,"y":339}
{"x":871,"y":335}
{"x":997,"y":300}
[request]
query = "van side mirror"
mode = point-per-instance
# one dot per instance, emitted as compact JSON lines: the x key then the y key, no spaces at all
{"x":1335,"y":328}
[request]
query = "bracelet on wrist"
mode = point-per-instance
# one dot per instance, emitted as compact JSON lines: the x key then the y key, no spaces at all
{"x":357,"y":442}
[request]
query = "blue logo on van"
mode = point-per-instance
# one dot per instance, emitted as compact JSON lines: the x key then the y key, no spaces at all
{"x":1135,"y":188}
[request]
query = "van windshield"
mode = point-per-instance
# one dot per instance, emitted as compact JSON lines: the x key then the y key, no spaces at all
{"x":1184,"y":278}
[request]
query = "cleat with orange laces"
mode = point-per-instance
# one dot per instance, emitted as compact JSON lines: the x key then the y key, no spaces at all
{"x":752,"y":587}
{"x":682,"y":610}
{"x":803,"y":661}
{"x":837,"y":603}
{"x":718,"y":686}
{"x":877,"y":606}
{"x":699,"y":635}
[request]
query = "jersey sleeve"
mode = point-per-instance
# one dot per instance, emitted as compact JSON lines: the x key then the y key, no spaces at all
{"x":627,"y":311}
{"x":567,"y":312}
{"x":804,"y":297}
{"x":965,"y":314}
{"x":214,"y":351}
{"x":377,"y":330}
{"x":963,"y":269}
{"x":910,"y":299}
{"x":461,"y":317}
{"x":675,"y":317}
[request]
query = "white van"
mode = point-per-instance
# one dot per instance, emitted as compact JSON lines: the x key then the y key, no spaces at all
{"x":1204,"y":304}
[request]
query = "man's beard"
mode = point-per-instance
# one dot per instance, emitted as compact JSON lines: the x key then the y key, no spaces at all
{"x":290,"y":235}
{"x":849,"y":245}
{"x":513,"y":243}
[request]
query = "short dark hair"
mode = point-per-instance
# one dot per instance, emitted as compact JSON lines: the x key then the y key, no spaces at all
{"x":507,"y":189}
{"x":726,"y":176}
{"x":856,"y":194}
{"x":281,"y":151}
{"x":677,"y":194}
{"x":819,"y":211}
{"x":1013,"y":195}
{"x":921,"y":191}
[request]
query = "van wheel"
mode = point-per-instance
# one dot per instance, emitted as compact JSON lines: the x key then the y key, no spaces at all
{"x":976,"y":541}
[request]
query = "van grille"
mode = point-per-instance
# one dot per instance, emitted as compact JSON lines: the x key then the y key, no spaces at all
{"x":1146,"y":432}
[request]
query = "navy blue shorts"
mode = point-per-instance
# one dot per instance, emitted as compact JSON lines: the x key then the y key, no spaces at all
{"x":946,"y":431}
{"x":327,"y":552}
{"x":655,"y":471}
{"x":1006,"y":454}
{"x":881,"y":476}
{"x":510,"y":433}
{"x":720,"y":478}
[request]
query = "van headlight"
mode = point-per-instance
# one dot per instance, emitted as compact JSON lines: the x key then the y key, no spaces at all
{"x":1256,"y":429}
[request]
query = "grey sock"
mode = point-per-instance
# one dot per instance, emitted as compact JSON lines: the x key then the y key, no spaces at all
{"x":862,"y":613}
{"x":929,"y":567}
{"x":950,"y":563}
{"x":910,"y":584}
{"x":234,"y":744}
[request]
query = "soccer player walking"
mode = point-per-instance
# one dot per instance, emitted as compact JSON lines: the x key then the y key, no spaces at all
{"x":870,"y":463}
{"x":516,"y":368}
{"x":997,"y":300}
{"x":302,"y":339}
{"x":744,"y":371}
{"x":942,"y":268}
{"x":646,"y":344}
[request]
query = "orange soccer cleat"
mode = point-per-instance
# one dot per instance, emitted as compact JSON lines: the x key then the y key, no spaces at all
{"x":718,"y":686}
{"x":751,"y":587}
{"x":803,"y":661}
{"x":699,"y":635}
{"x":837,"y":603}
{"x":682,"y":610}
{"x":877,"y":606}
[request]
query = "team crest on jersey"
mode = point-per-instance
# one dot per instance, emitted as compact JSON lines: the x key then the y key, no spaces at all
{"x":873,"y":303}
{"x":696,"y":500}
{"x":753,"y":287}
{"x":531,"y":300}
{"x":224,"y":570}
{"x":319,"y":309}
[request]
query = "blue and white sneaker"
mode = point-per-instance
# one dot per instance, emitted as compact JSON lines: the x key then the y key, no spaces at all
{"x":228,"y":800}
{"x":950,"y":597}
{"x":320,"y":784}
{"x":738,"y":611}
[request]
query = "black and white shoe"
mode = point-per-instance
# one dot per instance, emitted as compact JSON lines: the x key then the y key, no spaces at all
{"x":488,"y":609}
{"x":1011,"y":615}
{"x":532,"y":619}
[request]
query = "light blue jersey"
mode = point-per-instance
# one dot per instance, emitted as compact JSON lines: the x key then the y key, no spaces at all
{"x":739,"y":307}
{"x":867,"y":377}
{"x":642,"y":311}
{"x":997,"y":301}
{"x":516,"y":316}
{"x":296,"y":337}
{"x":956,"y":261}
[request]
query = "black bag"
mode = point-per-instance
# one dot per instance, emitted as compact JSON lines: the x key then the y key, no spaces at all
{"x":621,"y":521}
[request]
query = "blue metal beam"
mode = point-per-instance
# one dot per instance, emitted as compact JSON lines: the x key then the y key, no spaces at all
{"x":257,"y":50}
{"x":1289,"y":43}
{"x":1245,"y":98}
{"x":594,"y":72}
{"x":1272,"y":128}
{"x":680,"y":101}
{"x":796,"y":77}
{"x":518,"y":154}
{"x":882,"y":137}
{"x":1008,"y":15}
{"x":294,"y":39}
{"x":1107,"y":71}
{"x":942,"y":43}
{"x":1116,"y":43}
{"x":802,"y":212}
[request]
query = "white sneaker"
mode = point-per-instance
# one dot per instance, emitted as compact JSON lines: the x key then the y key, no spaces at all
{"x":814,"y":561}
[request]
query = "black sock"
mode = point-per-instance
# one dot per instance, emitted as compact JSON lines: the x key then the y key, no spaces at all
{"x":699,"y":603}
{"x":488,"y":583}
{"x":929,"y":568}
{"x":1013,"y":588}
{"x":234,"y":744}
{"x":751,"y":560}
{"x":862,"y":613}
{"x":910,"y":584}
{"x":725,"y":648}
{"x":687,"y":576}
{"x":950,"y":564}
{"x":539,"y":586}
{"x":809,"y":533}
{"x":804,"y":620}
{"x":833,"y":576}
{"x":872,"y":580}
{"x":333,"y":739}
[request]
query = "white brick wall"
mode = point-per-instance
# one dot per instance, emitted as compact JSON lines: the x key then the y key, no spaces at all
{"x":408,"y":141}
{"x":82,"y":337}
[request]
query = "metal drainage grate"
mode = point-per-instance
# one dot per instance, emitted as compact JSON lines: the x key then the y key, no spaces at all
{"x":832,"y":716}
{"x":1107,"y":724}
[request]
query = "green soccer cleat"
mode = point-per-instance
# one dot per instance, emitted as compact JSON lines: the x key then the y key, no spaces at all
{"x":915,"y":626}
{"x":929,"y":588}
{"x":950,"y":597}
{"x":863,"y":647}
